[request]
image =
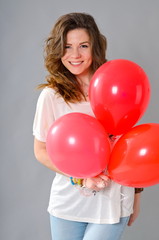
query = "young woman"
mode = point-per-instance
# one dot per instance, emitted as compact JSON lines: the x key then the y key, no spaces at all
{"x":73,"y":52}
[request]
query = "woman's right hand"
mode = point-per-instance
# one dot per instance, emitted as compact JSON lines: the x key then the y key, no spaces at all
{"x":96,"y":183}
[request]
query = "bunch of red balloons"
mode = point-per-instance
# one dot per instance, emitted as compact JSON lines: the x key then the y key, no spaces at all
{"x":78,"y":144}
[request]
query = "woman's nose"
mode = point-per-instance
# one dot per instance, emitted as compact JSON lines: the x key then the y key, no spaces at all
{"x":76,"y":53}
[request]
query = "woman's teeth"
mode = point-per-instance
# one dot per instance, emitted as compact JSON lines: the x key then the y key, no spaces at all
{"x":75,"y":63}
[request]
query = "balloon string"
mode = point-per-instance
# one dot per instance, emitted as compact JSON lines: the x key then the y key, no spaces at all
{"x":88,"y":192}
{"x":123,"y":197}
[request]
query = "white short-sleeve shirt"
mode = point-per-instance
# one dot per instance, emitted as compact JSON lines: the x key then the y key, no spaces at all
{"x":66,"y":200}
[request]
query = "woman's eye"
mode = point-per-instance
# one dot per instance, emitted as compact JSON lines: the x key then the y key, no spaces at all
{"x":84,"y":46}
{"x":67,"y":46}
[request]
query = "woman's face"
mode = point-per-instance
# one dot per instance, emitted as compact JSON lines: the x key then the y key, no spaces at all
{"x":78,"y":54}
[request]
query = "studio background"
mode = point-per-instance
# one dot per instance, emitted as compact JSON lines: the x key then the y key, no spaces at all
{"x":131,"y":28}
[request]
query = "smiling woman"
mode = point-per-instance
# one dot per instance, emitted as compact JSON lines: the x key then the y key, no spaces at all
{"x":73,"y":52}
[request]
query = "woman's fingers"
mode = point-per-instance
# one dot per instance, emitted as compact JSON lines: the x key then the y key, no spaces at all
{"x":105,"y":179}
{"x":97,"y":183}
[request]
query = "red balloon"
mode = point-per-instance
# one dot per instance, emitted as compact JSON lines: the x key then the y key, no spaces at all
{"x":78,"y":145}
{"x":134,"y":159}
{"x":119,"y":94}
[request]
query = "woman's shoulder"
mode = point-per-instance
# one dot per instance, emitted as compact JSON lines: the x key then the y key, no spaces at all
{"x":48,"y":91}
{"x":46,"y":96}
{"x":49,"y":95}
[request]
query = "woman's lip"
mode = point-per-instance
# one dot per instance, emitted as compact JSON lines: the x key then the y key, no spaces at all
{"x":75,"y":63}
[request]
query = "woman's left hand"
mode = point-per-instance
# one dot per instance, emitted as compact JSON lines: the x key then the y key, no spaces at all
{"x":96,"y":183}
{"x":136,"y":209}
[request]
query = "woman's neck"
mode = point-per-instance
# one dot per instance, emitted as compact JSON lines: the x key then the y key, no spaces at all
{"x":84,"y":80}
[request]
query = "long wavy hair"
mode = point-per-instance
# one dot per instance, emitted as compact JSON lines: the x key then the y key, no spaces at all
{"x":60,"y":78}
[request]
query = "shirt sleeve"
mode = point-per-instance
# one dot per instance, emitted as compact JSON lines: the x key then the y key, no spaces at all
{"x":44,"y":115}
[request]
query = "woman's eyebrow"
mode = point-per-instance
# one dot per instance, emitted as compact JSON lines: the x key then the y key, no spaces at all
{"x":79,"y":43}
{"x":85,"y":42}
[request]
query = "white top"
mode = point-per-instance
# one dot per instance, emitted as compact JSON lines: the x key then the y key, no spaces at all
{"x":66,"y":200}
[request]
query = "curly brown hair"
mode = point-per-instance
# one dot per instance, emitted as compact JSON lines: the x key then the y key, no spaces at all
{"x":60,"y":79}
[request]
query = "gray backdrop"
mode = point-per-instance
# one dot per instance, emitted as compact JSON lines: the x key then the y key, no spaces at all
{"x":132,"y":31}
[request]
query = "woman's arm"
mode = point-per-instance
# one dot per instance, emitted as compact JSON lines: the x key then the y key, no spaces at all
{"x":43,"y":157}
{"x":136,"y":209}
{"x":96,"y":183}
